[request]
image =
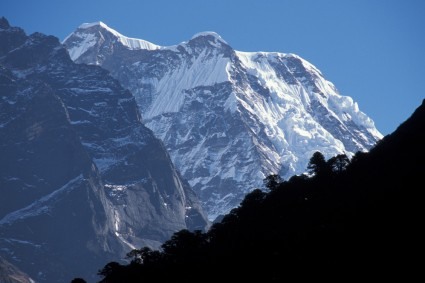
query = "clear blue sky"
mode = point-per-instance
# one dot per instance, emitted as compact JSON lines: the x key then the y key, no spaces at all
{"x":373,"y":51}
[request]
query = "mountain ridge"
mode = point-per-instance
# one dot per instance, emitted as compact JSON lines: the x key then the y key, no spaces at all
{"x":81,"y":179}
{"x":207,"y":101}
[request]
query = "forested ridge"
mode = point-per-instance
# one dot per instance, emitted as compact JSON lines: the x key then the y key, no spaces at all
{"x":357,"y":218}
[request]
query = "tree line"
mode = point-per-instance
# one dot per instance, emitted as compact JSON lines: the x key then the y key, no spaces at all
{"x":346,"y":219}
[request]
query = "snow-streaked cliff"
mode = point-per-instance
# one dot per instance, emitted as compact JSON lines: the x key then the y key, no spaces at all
{"x":82,"y":180}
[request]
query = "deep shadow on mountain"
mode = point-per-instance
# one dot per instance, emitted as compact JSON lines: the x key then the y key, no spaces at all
{"x":78,"y":168}
{"x":361,"y":223}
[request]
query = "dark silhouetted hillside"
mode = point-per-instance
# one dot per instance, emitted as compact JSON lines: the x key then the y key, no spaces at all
{"x":360,"y":222}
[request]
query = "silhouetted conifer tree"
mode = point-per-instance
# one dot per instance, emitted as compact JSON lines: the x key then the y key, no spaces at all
{"x":317,"y":164}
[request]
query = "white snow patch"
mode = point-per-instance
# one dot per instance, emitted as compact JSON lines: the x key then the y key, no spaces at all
{"x":93,"y":24}
{"x":117,"y":222}
{"x":231,"y":103}
{"x":80,"y":122}
{"x":22,"y":242}
{"x":89,"y":90}
{"x":87,"y":41}
{"x":116,"y":187}
{"x":171,"y":88}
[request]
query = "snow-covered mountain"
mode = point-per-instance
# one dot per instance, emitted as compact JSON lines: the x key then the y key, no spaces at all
{"x":82,"y":180}
{"x":228,"y":118}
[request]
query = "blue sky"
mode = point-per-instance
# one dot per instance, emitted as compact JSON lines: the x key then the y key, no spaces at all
{"x":373,"y":51}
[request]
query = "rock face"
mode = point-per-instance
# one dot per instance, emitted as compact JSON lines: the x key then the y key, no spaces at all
{"x":11,"y":274}
{"x":228,"y":118}
{"x":82,"y":180}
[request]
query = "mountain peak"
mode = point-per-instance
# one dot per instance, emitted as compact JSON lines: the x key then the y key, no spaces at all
{"x":89,"y":25}
{"x":4,"y":24}
{"x":87,"y":35}
{"x":212,"y":34}
{"x":208,"y":33}
{"x":99,"y":25}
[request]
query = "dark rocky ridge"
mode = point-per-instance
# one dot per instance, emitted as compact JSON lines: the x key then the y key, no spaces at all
{"x":82,"y":179}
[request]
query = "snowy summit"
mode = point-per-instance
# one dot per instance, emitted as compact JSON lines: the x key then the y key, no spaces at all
{"x":209,"y":33}
{"x":93,"y":33}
